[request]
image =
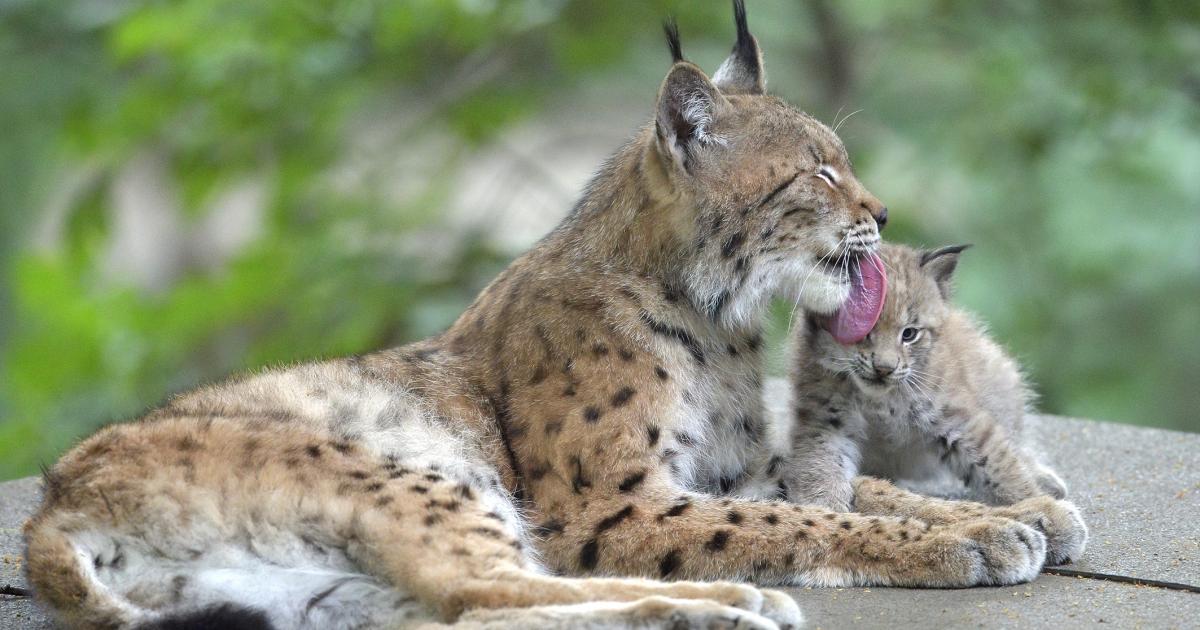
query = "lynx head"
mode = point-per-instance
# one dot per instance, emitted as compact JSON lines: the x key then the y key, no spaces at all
{"x":897,"y":350}
{"x":764,"y":194}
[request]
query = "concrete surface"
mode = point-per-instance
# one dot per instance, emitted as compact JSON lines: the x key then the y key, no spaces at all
{"x":1139,"y":490}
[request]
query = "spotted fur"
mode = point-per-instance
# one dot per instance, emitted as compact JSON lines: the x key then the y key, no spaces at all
{"x":582,"y":418}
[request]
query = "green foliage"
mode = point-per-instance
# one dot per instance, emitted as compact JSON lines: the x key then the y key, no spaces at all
{"x":1062,"y":139}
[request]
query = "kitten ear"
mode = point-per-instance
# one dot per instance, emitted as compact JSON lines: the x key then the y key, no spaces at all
{"x":940,"y":265}
{"x":687,"y":104}
{"x":742,"y":72}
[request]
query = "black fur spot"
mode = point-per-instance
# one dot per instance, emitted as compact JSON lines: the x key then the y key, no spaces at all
{"x":539,"y":375}
{"x":342,"y":447}
{"x":552,"y":526}
{"x":220,"y":617}
{"x":622,"y":397}
{"x":600,"y":350}
{"x":589,"y":554}
{"x":568,"y":391}
{"x":591,"y":414}
{"x":419,"y":489}
{"x":358,"y":474}
{"x":661,"y":373}
{"x":675,"y":510}
{"x":668,"y":563}
{"x":718,"y":540}
{"x":313,"y":450}
{"x":652,"y":434}
{"x":732,"y":244}
{"x":625,"y":355}
{"x":734,"y":517}
{"x":632,"y":481}
{"x":613,"y":520}
{"x":432,"y":519}
{"x":771,"y":519}
{"x":682,"y":336}
{"x":579,"y":482}
{"x":718,"y":305}
{"x":553,"y":426}
{"x":374,"y":486}
{"x":845,"y":525}
{"x":773,"y":465}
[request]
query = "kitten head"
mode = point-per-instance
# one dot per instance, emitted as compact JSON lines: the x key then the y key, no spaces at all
{"x":896,"y":353}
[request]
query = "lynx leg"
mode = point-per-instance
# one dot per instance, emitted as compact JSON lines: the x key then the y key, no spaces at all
{"x":1066,"y":533}
{"x":490,"y":571}
{"x":647,"y":613}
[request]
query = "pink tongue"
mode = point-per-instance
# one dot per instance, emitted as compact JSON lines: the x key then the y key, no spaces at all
{"x":857,"y":316}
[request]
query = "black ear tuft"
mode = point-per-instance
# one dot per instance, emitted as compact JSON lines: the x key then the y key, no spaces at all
{"x":672,"y":31}
{"x":739,"y":17}
{"x":742,"y":72}
{"x":941,"y":263}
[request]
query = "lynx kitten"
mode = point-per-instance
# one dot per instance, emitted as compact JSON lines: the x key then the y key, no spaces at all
{"x":927,"y":398}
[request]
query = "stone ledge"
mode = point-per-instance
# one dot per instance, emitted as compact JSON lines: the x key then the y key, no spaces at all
{"x":1139,"y":490}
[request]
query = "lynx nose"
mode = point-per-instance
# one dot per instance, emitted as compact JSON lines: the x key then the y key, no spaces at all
{"x":883,"y":370}
{"x":881,"y":218}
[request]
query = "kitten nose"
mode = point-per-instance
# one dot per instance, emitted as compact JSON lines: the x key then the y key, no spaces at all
{"x":882,"y":370}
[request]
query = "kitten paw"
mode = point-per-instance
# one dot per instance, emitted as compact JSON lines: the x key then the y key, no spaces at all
{"x":1049,"y":482}
{"x":1060,"y":521}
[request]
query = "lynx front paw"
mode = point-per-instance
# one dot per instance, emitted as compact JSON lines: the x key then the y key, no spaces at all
{"x":669,"y":614}
{"x":774,"y":605}
{"x":782,"y":609}
{"x":991,"y":551}
{"x":1066,"y":533}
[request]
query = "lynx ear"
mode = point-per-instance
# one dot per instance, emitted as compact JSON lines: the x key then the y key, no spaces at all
{"x":742,"y":72}
{"x":687,"y":104}
{"x":940,"y":265}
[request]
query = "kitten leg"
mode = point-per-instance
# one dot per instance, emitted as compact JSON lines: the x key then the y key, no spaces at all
{"x":979,"y":451}
{"x":1066,"y":533}
{"x":826,"y":451}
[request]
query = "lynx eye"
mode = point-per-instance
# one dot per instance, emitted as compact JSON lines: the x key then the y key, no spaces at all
{"x":910,"y":334}
{"x":829,"y":175}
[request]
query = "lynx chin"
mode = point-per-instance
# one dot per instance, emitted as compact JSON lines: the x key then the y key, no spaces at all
{"x":585,"y":446}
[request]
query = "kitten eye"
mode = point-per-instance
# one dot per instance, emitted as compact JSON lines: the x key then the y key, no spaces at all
{"x":828,"y":175}
{"x":910,"y":334}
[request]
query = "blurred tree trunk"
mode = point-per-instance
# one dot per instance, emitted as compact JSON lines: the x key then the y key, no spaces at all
{"x":833,"y":57}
